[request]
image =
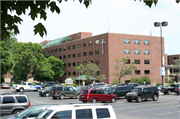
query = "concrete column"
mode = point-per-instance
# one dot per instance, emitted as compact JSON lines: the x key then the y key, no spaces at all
{"x":93,"y":81}
{"x":83,"y":82}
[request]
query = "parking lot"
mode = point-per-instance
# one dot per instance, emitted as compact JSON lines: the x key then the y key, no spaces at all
{"x":167,"y":107}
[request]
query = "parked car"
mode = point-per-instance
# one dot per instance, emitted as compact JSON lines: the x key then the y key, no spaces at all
{"x":48,"y":84}
{"x":133,"y":85}
{"x":63,"y":91}
{"x":79,"y":111}
{"x":45,"y":92}
{"x":24,"y":86}
{"x":28,"y":113}
{"x":82,"y":88}
{"x":122,"y":84}
{"x":96,"y":95}
{"x":160,"y":87}
{"x":11,"y":103}
{"x":98,"y":84}
{"x":5,"y":85}
{"x":141,"y":93}
{"x":119,"y":91}
{"x":173,"y":88}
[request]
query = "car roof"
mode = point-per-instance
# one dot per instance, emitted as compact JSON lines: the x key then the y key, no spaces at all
{"x":12,"y":94}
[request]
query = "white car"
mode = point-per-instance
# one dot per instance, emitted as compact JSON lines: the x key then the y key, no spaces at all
{"x":79,"y":111}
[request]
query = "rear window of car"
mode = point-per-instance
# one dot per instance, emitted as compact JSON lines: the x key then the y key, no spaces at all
{"x":21,"y":99}
{"x":59,"y":88}
{"x":93,"y":92}
{"x":102,"y":113}
{"x":63,"y":115}
{"x":84,"y":92}
{"x":84,"y":114}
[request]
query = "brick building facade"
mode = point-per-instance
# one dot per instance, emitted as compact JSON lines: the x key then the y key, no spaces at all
{"x":105,"y":48}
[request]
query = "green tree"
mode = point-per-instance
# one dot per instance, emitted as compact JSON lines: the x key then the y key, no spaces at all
{"x":115,"y":81}
{"x":46,"y":55}
{"x":141,"y":80}
{"x":89,"y":70}
{"x":6,"y":61}
{"x":101,"y":77}
{"x":9,"y":41}
{"x":122,"y":68}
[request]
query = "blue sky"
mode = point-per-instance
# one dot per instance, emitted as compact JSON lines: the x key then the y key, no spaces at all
{"x":124,"y":16}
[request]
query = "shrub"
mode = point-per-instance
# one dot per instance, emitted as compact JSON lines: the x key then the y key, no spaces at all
{"x":115,"y":81}
{"x":158,"y":84}
{"x":135,"y":80}
{"x":146,"y":79}
{"x":171,"y":81}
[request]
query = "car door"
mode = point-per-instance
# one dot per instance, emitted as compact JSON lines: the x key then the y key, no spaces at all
{"x":100,"y":95}
{"x":67,"y":91}
{"x":30,"y":86}
{"x":7,"y":105}
{"x":72,"y":92}
{"x":107,"y":96}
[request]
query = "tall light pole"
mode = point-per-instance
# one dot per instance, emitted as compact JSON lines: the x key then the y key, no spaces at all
{"x":157,"y":24}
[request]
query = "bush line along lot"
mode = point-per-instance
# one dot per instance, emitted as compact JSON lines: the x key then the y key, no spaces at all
{"x":167,"y":106}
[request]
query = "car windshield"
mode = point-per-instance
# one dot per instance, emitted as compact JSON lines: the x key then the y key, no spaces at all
{"x":22,"y":112}
{"x":44,"y":114}
{"x":137,"y":90}
{"x":43,"y":84}
{"x":110,"y":89}
{"x":79,"y":88}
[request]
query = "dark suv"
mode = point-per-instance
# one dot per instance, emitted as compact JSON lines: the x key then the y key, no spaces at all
{"x":48,"y":84}
{"x":141,"y":93}
{"x":63,"y":91}
{"x":13,"y":103}
{"x":119,"y":91}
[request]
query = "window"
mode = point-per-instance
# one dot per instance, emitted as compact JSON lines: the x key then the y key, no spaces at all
{"x":52,"y":51}
{"x":106,"y":92}
{"x":97,"y":52}
{"x":127,"y":41}
{"x":97,"y":62}
{"x":65,"y":74}
{"x":64,"y":49}
{"x":137,"y":61}
{"x":59,"y":49}
{"x":55,"y":50}
{"x":102,"y":113}
{"x":96,"y":42}
{"x":126,"y":51}
{"x":69,"y":56}
{"x":146,"y":61}
{"x":69,"y":47}
{"x":136,"y":41}
{"x":146,"y":42}
{"x":128,"y":61}
{"x":84,"y":62}
{"x":90,"y":43}
{"x":64,"y":64}
{"x":74,"y":63}
{"x":84,"y":44}
{"x":48,"y":51}
{"x":8,"y":100}
{"x":79,"y":54}
{"x":74,"y":55}
{"x":21,"y":99}
{"x":98,"y":72}
{"x":34,"y":112}
{"x":146,"y":52}
{"x":79,"y":63}
{"x":136,"y":51}
{"x":59,"y":88}
{"x":64,"y":57}
{"x":91,"y":61}
{"x":69,"y":64}
{"x":60,"y":57}
{"x":79,"y":45}
{"x":137,"y":72}
{"x":146,"y":71}
{"x":84,"y":114}
{"x":69,"y":73}
{"x":84,"y":53}
{"x":90,"y":53}
{"x":62,"y":115}
{"x":74,"y":73}
{"x":74,"y":47}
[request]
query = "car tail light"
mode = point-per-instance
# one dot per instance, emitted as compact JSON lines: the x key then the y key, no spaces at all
{"x":29,"y":104}
{"x":16,"y":86}
{"x":178,"y":89}
{"x":8,"y":85}
{"x":87,"y":96}
{"x":3,"y":85}
{"x":56,"y":92}
{"x":158,"y":91}
{"x":163,"y":88}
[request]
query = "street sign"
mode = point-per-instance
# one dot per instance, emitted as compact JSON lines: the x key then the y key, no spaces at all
{"x":69,"y":81}
{"x":162,"y":70}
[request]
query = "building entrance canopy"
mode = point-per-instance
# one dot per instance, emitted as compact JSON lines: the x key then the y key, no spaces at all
{"x":83,"y":77}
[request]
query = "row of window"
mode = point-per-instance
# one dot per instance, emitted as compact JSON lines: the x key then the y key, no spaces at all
{"x":74,"y":73}
{"x":84,"y":62}
{"x":127,"y":51}
{"x":137,"y":61}
{"x":127,"y":41}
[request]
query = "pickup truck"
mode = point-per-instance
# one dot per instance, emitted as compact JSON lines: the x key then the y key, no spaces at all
{"x":26,"y":86}
{"x":174,"y":88}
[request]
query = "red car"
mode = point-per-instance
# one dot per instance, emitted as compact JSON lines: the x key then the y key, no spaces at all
{"x":96,"y":95}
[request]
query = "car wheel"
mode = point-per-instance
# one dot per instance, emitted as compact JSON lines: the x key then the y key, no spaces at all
{"x":21,"y":89}
{"x":155,"y":97}
{"x":129,"y":100}
{"x":17,"y":90}
{"x":47,"y":94}
{"x":61,"y":97}
{"x":139,"y":99}
{"x":94,"y":100}
{"x":169,"y":92}
{"x":113,"y":100}
{"x":54,"y":97}
{"x":84,"y":101}
{"x":16,"y":111}
{"x":77,"y":96}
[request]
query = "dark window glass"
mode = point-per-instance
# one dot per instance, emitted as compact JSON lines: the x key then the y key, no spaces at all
{"x":97,"y":62}
{"x":84,"y":114}
{"x":59,"y":49}
{"x":64,"y":64}
{"x":64,"y":49}
{"x":69,"y":47}
{"x":74,"y":55}
{"x":34,"y":112}
{"x":96,"y":42}
{"x":84,"y":53}
{"x":90,"y":53}
{"x":136,"y":51}
{"x":21,"y":99}
{"x":98,"y":72}
{"x":69,"y":56}
{"x":69,"y":73}
{"x":59,"y":88}
{"x":137,"y":72}
{"x":128,"y":61}
{"x":84,"y":44}
{"x":93,"y":92}
{"x":52,"y":51}
{"x":74,"y":73}
{"x":69,"y":64}
{"x":64,"y":57}
{"x":127,"y":41}
{"x":84,"y":62}
{"x":60,"y":57}
{"x":79,"y":45}
{"x":48,"y":51}
{"x":91,"y":61}
{"x":102,"y":113}
{"x":65,"y":74}
{"x":90,"y":43}
{"x":137,"y":61}
{"x":79,"y":54}
{"x":97,"y":52}
{"x":84,"y":92}
{"x":74,"y":47}
{"x":126,"y":51}
{"x":146,"y":71}
{"x":146,"y":52}
{"x":174,"y":57}
{"x":55,"y":50}
{"x":79,"y":63}
{"x":74,"y":63}
{"x":66,"y":89}
{"x":146,"y":61}
{"x":62,"y":115}
{"x":146,"y":42}
{"x":8,"y":100}
{"x":136,"y":41}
